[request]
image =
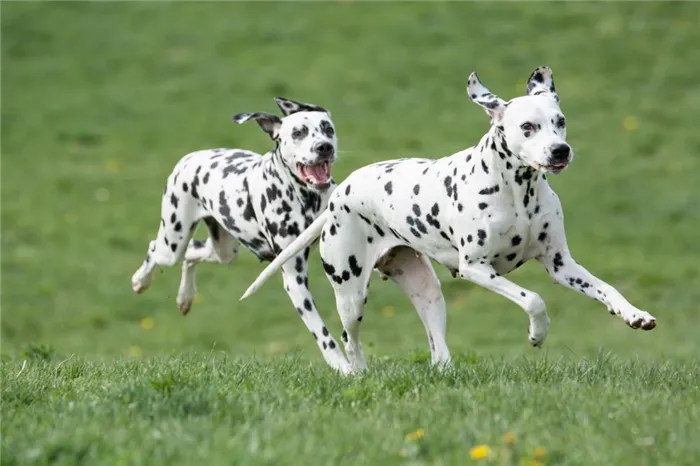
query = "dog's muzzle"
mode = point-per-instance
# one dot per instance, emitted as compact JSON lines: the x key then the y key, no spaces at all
{"x":559,"y":158}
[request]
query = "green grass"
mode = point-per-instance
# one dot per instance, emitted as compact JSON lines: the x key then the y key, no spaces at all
{"x":210,"y":409}
{"x":100,"y":100}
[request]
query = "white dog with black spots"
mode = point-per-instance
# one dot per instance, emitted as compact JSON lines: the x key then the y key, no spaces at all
{"x":481,"y":213}
{"x":262,"y":202}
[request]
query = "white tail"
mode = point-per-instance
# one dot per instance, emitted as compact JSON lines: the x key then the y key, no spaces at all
{"x":306,"y":237}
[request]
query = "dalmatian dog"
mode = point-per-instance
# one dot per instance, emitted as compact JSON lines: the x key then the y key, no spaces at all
{"x":262,"y":202}
{"x":481,"y":213}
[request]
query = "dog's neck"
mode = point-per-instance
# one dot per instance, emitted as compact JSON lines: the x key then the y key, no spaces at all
{"x":274,"y":167}
{"x":495,"y":159}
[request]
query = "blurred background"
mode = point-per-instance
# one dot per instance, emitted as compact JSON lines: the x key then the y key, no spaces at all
{"x":100,"y":100}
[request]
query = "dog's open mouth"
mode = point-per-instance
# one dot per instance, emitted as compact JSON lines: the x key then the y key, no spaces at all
{"x":318,"y":175}
{"x":556,"y":167}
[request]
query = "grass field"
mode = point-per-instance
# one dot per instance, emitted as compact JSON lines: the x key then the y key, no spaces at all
{"x":99,"y":100}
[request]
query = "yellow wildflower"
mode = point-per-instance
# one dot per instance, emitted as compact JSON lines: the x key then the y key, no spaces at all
{"x":147,"y":323}
{"x":509,"y":438}
{"x":630,"y":123}
{"x":534,"y":463}
{"x":480,"y":452}
{"x":112,"y":165}
{"x":413,"y":436}
{"x":135,"y":352}
{"x":539,"y":452}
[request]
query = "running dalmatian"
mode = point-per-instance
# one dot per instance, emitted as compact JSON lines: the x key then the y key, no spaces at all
{"x":260,"y":202}
{"x":481,"y":212}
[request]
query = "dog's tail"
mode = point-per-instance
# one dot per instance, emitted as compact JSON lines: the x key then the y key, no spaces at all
{"x":307,"y":237}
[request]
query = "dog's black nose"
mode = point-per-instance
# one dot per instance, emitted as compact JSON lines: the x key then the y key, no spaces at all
{"x":561,"y":152}
{"x":325,"y":149}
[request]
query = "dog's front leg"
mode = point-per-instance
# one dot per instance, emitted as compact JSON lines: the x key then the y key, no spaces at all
{"x":564,"y":270}
{"x":296,"y":283}
{"x":529,"y":301}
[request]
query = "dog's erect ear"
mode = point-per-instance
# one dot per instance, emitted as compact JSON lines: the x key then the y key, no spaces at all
{"x":290,"y":106}
{"x":494,"y":105}
{"x":268,"y":122}
{"x":541,"y":81}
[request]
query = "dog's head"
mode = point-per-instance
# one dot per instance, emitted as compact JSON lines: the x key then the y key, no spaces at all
{"x":305,"y":137}
{"x":533,"y":125}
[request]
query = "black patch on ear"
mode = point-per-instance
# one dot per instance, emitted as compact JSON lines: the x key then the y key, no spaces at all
{"x":269,"y":122}
{"x":490,"y":105}
{"x":290,"y":107}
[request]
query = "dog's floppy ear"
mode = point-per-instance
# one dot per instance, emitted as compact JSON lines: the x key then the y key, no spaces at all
{"x":290,"y":106}
{"x":494,"y":105}
{"x":268,"y":122}
{"x":541,"y":81}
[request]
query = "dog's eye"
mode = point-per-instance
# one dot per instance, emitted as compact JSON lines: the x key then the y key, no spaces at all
{"x":527,"y":126}
{"x":296,"y":134}
{"x":330,"y":131}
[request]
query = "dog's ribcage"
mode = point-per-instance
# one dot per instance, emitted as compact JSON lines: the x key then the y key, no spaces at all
{"x":464,"y":204}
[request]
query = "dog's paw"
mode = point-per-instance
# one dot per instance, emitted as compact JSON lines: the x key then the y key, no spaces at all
{"x":539,"y":328}
{"x":184,"y":303}
{"x":640,"y":319}
{"x":139,"y":286}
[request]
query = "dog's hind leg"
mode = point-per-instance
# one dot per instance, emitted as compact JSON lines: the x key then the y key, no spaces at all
{"x":220,"y":247}
{"x":344,"y":261}
{"x":179,"y":216}
{"x":414,"y":274}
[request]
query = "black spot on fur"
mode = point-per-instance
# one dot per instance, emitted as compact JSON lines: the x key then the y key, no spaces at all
{"x":448,"y":185}
{"x":558,"y":262}
{"x":491,"y":190}
{"x":354,"y":267}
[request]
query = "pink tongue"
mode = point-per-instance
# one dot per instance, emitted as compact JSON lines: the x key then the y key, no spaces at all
{"x":318,"y":172}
